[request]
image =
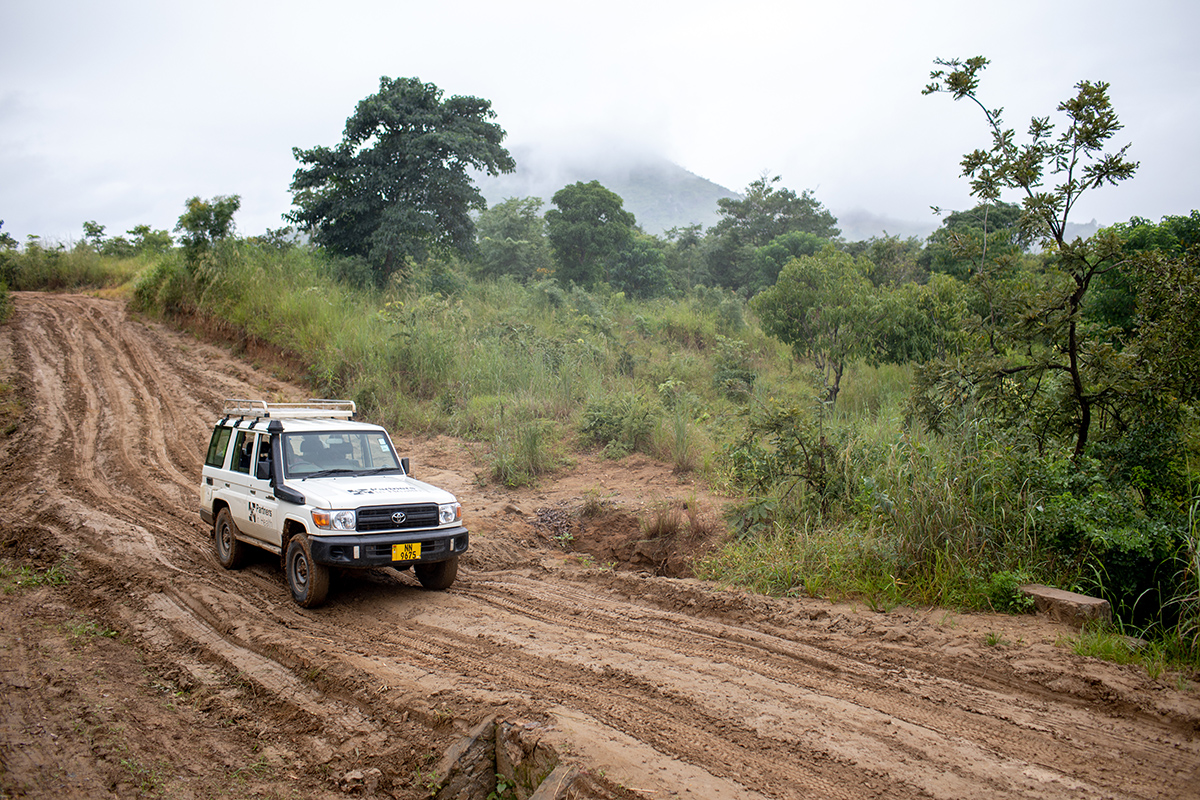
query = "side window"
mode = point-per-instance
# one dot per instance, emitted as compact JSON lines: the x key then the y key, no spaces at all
{"x":264,"y":471}
{"x":243,"y":451}
{"x":217,"y":446}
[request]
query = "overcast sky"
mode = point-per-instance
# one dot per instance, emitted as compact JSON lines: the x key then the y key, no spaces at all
{"x":119,"y":111}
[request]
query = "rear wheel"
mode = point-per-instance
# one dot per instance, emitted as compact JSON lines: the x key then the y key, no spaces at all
{"x":438,"y":575}
{"x":229,"y":551}
{"x":307,"y":580}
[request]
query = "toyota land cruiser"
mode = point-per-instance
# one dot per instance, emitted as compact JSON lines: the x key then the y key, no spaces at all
{"x":307,"y":482}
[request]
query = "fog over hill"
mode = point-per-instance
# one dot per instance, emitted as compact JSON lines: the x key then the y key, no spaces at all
{"x":663,"y":195}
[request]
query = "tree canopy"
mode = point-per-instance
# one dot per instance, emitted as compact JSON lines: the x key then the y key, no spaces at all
{"x":820,"y":306}
{"x":205,"y":222}
{"x":763,"y":215}
{"x":1034,"y":347}
{"x":512,"y":239}
{"x":398,"y":185}
{"x":966,"y":239}
{"x":588,"y":229}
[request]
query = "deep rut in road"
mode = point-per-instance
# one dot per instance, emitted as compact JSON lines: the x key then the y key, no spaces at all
{"x":646,"y":686}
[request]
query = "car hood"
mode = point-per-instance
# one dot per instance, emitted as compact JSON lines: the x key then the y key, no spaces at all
{"x":347,"y":491}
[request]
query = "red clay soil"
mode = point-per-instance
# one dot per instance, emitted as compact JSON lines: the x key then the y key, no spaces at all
{"x":150,"y":671}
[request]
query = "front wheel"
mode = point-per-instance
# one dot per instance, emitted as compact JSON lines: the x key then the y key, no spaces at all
{"x":438,"y":575}
{"x":229,"y":551}
{"x":308,"y":580}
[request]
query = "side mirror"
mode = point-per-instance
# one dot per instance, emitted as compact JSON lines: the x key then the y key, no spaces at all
{"x":404,"y":466}
{"x":263,"y":471}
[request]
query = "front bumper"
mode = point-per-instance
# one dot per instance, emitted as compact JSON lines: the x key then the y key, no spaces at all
{"x":375,"y":549}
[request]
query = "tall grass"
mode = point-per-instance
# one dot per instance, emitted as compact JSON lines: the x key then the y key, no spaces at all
{"x":425,"y":362}
{"x":56,"y":267}
{"x":896,"y":516}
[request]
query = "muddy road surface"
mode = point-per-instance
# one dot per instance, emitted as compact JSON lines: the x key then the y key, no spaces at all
{"x":562,"y":653}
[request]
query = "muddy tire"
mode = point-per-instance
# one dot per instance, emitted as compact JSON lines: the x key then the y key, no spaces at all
{"x":230,"y":553}
{"x":307,"y":580}
{"x":439,"y":575}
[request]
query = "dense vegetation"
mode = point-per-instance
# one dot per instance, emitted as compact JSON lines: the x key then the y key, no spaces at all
{"x":901,"y":421}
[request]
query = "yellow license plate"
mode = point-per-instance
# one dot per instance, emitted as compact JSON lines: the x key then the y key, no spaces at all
{"x":406,"y":552}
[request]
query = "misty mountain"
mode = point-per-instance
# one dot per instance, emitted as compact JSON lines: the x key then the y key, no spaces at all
{"x":661,"y":194}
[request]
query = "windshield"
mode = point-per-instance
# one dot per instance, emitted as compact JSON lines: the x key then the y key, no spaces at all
{"x":356,"y":451}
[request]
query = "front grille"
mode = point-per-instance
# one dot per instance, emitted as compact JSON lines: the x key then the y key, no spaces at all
{"x":379,"y":518}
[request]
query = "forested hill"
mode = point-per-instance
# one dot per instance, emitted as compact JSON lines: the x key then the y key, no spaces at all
{"x":661,"y":194}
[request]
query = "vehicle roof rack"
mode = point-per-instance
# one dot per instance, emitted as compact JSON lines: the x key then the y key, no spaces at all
{"x":310,"y":409}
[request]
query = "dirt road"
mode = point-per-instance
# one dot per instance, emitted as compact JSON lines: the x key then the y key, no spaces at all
{"x":154,"y":672}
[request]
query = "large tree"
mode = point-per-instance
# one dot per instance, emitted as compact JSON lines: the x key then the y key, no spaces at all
{"x":764,"y":214}
{"x":588,"y":229}
{"x":968,"y":239}
{"x":204,"y":223}
{"x":512,"y":240}
{"x":821,"y":306}
{"x":398,"y":186}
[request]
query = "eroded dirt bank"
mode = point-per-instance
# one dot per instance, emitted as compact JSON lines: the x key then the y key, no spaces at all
{"x":154,"y":672}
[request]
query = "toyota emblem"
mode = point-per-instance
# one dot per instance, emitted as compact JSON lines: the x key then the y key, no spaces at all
{"x":399,"y":517}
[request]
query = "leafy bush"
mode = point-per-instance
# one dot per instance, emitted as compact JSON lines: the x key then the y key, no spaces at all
{"x":783,"y":445}
{"x":1119,"y":550}
{"x":733,"y":374}
{"x":620,"y":423}
{"x":1003,"y":592}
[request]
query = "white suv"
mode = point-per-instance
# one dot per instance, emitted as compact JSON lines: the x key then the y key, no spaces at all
{"x":308,"y":483}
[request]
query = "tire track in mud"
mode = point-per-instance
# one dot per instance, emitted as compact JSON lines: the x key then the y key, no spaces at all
{"x":932,"y":728}
{"x":670,"y":723}
{"x":101,"y":384}
{"x":120,"y":412}
{"x":88,"y":424}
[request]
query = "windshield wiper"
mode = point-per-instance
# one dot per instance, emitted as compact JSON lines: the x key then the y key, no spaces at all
{"x":381,"y":470}
{"x":324,"y":473}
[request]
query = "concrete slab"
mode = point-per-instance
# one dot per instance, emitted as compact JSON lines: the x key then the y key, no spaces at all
{"x":1069,"y":607}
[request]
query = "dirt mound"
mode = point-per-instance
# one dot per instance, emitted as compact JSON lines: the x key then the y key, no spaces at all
{"x":573,"y":645}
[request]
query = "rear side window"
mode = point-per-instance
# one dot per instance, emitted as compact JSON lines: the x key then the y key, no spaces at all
{"x":217,"y":446}
{"x":243,"y":452}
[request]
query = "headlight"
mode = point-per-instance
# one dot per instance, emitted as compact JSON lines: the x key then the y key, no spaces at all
{"x":450,"y":512}
{"x":334,"y":520}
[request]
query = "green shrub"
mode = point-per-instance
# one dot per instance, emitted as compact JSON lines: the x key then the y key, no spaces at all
{"x":1004,"y":594}
{"x":162,"y":288}
{"x":522,"y":451}
{"x":621,"y":424}
{"x":1119,"y":551}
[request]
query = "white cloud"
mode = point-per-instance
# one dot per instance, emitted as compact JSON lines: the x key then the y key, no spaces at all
{"x":118,"y":112}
